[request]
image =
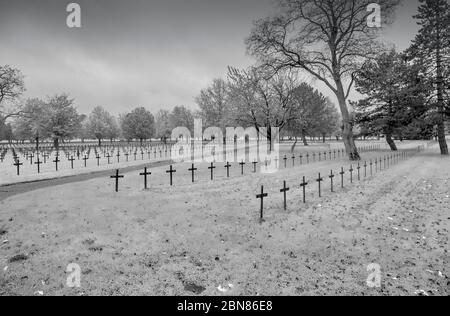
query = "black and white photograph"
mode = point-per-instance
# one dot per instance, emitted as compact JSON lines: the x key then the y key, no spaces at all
{"x":225,"y":154}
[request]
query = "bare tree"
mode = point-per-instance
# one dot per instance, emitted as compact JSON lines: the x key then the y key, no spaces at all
{"x":262,"y":100}
{"x":11,"y":87}
{"x":213,"y":104}
{"x":329,"y":39}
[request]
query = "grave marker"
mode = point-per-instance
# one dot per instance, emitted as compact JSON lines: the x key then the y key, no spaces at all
{"x":303,"y":185}
{"x":117,"y":177}
{"x":332,"y":180}
{"x":192,"y":170}
{"x":145,"y":174}
{"x":56,"y":161}
{"x":242,"y":164}
{"x":71,"y":161}
{"x":262,"y":196}
{"x":38,"y":163}
{"x":342,"y":177}
{"x":351,"y":173}
{"x":227,"y":166}
{"x":284,"y":190}
{"x":171,"y":172}
{"x":319,"y":180}
{"x":212,"y":167}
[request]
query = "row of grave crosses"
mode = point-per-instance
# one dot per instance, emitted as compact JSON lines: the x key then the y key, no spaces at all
{"x":155,"y":153}
{"x":366,"y":169}
{"x":371,"y":167}
{"x":79,"y":151}
{"x":109,"y":156}
{"x":159,"y":152}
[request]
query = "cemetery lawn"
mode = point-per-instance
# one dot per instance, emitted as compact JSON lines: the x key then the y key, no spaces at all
{"x":205,"y":238}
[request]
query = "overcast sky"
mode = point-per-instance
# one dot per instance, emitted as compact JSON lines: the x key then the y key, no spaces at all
{"x":152,"y":53}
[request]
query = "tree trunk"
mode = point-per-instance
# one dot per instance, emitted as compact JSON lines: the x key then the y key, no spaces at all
{"x":269,"y":137}
{"x":440,"y":96}
{"x":324,"y":138}
{"x":295,"y":144}
{"x":56,"y":143}
{"x":391,"y":142}
{"x":305,"y":141}
{"x":441,"y":137}
{"x":347,"y":125}
{"x":99,"y":142}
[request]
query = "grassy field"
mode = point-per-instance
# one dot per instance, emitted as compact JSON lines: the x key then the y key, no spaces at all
{"x":206,"y":238}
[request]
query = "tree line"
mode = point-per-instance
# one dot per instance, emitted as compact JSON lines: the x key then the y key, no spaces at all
{"x":333,"y":42}
{"x":247,"y":98}
{"x":405,"y":94}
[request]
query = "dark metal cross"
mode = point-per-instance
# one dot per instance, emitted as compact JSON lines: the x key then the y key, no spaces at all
{"x":109,"y":158}
{"x":38,"y":163}
{"x":371,"y":167}
{"x":117,"y":177}
{"x":171,"y":171}
{"x":242,"y":164}
{"x":227,"y":166}
{"x":365,"y":169}
{"x":351,"y":174}
{"x":85,"y":160}
{"x":359,"y":172}
{"x":303,"y":185}
{"x":293,"y":161}
{"x":98,"y":160}
{"x":262,"y":196}
{"x":254,"y":166}
{"x":331,"y":176}
{"x":212,"y":167}
{"x":342,"y":177}
{"x":145,"y":174}
{"x":18,"y":164}
{"x":118,"y":156}
{"x":192,"y":170}
{"x":284,"y":190}
{"x":319,"y":180}
{"x":71,"y":161}
{"x":285,"y":159}
{"x":56,"y":161}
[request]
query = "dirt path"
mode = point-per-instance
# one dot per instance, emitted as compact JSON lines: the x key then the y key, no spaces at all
{"x":7,"y":191}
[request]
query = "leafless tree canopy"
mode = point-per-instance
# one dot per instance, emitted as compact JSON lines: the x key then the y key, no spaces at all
{"x":327,"y":38}
{"x":11,"y":87}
